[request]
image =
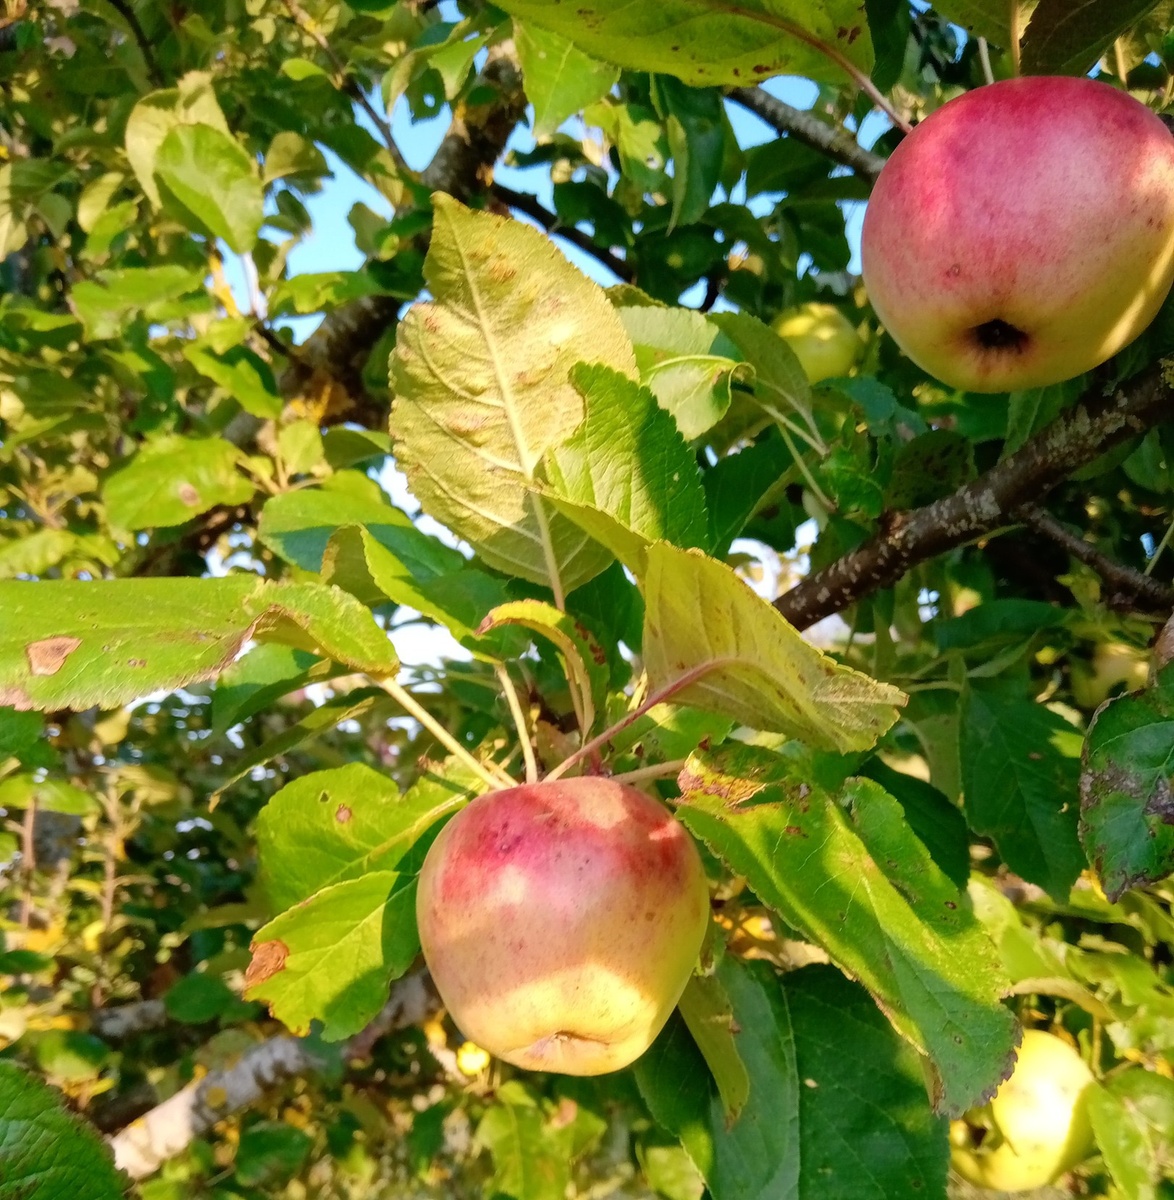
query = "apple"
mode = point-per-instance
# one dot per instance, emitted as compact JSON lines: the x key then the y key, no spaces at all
{"x":1023,"y":233}
{"x":1113,"y":663}
{"x":1035,"y":1128}
{"x":824,"y":340}
{"x":561,"y":922}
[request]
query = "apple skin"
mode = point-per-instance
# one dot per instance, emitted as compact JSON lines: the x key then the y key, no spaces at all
{"x":824,"y":341}
{"x":1113,"y":663}
{"x":1039,"y":1121}
{"x":1023,"y":233}
{"x":561,"y":922}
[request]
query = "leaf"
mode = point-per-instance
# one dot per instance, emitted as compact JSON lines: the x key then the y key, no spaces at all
{"x":67,"y":644}
{"x":695,"y":123}
{"x":45,"y":1151}
{"x":1063,"y":38}
{"x":560,"y":80}
{"x":320,"y":291}
{"x":583,"y":658}
{"x":983,"y":18}
{"x":215,"y":180}
{"x":156,"y":114}
{"x":106,"y":302}
{"x":1126,"y":804}
{"x":709,"y":1017}
{"x":291,"y":156}
{"x":626,"y":470}
{"x":246,"y":377}
{"x":332,"y":958}
{"x":738,"y":485}
{"x":261,"y":677}
{"x":270,"y":1152}
{"x":743,"y":659}
{"x":1020,"y":779}
{"x":332,"y":826}
{"x":482,"y":390}
{"x":686,"y":361}
{"x":1132,"y":1117}
{"x":711,"y":42}
{"x":174,"y":479}
{"x":778,"y":381}
{"x":48,"y":795}
{"x":198,"y":998}
{"x":19,"y":732}
{"x":852,"y":877}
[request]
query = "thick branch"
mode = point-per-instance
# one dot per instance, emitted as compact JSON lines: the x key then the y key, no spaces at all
{"x":525,"y":203}
{"x":1076,"y":438}
{"x":168,"y":1129}
{"x":836,"y":143}
{"x":1128,"y":588}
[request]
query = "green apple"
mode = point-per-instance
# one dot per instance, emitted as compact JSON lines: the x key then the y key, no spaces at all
{"x":1023,"y":233}
{"x":561,"y":922}
{"x":1113,"y":663}
{"x":1035,"y":1128}
{"x":824,"y":340}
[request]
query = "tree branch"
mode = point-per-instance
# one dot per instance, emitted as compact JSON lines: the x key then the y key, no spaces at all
{"x":836,"y":143}
{"x":1128,"y":587}
{"x":128,"y":14}
{"x":525,"y":203}
{"x":168,"y":1129}
{"x":1076,"y":438}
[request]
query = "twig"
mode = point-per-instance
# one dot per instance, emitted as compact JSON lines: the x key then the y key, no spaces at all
{"x":349,"y":84}
{"x":1078,"y":436}
{"x":1128,"y":585}
{"x":489,"y":774}
{"x":128,"y":14}
{"x":515,"y":706}
{"x":984,"y":56}
{"x":836,"y":143}
{"x":652,"y":771}
{"x":523,"y":202}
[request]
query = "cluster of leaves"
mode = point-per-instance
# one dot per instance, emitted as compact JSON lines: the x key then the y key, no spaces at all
{"x":191,"y":512}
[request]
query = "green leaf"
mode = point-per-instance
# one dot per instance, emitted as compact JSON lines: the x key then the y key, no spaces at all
{"x":173,"y":479}
{"x":695,"y":123}
{"x":583,"y":658}
{"x":318,"y":292}
{"x":332,"y":957}
{"x":215,"y":181}
{"x":47,"y":795}
{"x":199,"y":998}
{"x":983,"y":18}
{"x":74,"y":645}
{"x":852,"y":877}
{"x":626,"y":474}
{"x":157,"y":114}
{"x":1063,"y":38}
{"x":738,"y":486}
{"x":1126,"y":813}
{"x":269,"y":1153}
{"x":711,"y":42}
{"x":482,"y":390}
{"x":19,"y":731}
{"x":742,"y":658}
{"x":687,"y":362}
{"x":1132,"y":1118}
{"x":262,"y":676}
{"x":106,"y":302}
{"x":709,"y":1017}
{"x":1020,"y":774}
{"x":45,"y":1151}
{"x":332,"y":826}
{"x":778,"y":382}
{"x":291,"y":156}
{"x":559,"y":79}
{"x":246,"y":376}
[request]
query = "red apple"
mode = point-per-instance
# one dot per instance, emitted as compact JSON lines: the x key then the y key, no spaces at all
{"x":1023,"y":233}
{"x":561,"y":922}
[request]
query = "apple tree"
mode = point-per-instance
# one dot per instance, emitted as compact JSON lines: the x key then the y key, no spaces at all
{"x":488,"y":475}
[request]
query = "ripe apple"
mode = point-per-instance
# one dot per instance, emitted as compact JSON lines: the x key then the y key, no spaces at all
{"x":561,"y":922}
{"x":1023,"y":233}
{"x":824,"y":340}
{"x":1035,"y":1128}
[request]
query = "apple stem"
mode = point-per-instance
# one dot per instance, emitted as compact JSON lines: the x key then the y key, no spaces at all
{"x":495,"y":777}
{"x":1014,"y":38}
{"x":984,"y":56}
{"x":652,"y":771}
{"x":519,"y":717}
{"x":658,"y":697}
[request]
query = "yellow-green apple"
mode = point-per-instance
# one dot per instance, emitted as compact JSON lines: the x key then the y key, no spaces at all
{"x":1023,"y":233}
{"x":824,"y":340}
{"x":1113,"y":663}
{"x":561,"y":922}
{"x":1037,"y":1125}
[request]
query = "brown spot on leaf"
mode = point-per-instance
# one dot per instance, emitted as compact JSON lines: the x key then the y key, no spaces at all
{"x":11,"y":697}
{"x":343,"y":815}
{"x":189,"y":495}
{"x":136,"y":662}
{"x":268,"y":959}
{"x":48,"y":656}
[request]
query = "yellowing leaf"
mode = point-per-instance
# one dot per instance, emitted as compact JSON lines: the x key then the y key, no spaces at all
{"x":482,"y":388}
{"x":744,"y":659}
